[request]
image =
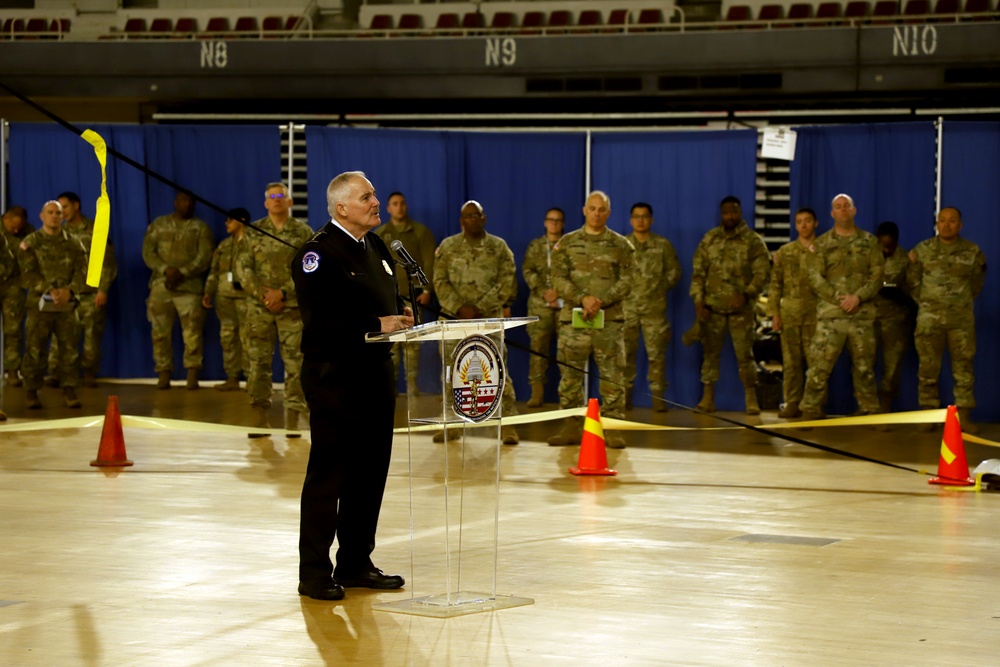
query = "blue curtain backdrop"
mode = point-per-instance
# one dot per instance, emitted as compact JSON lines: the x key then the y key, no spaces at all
{"x":971,"y":153}
{"x":889,"y":171}
{"x":684,"y":176}
{"x":228,"y":166}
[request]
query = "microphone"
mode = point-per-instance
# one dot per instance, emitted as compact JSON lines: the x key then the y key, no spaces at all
{"x":406,"y":259}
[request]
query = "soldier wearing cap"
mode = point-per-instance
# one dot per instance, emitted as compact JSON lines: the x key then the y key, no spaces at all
{"x":226,"y":295}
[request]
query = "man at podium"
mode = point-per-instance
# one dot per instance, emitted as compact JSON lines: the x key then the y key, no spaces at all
{"x":346,"y":288}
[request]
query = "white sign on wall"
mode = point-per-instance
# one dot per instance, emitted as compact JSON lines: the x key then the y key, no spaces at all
{"x":778,"y":143}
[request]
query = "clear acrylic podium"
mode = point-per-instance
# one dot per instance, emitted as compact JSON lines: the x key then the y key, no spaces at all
{"x":454,"y":485}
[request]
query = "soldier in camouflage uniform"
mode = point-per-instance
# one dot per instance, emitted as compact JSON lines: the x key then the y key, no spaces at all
{"x":419,"y":242}
{"x":15,"y":229}
{"x":792,"y":306}
{"x":894,"y":312}
{"x":593,"y":270}
{"x":178,"y":250}
{"x":845,"y":270}
{"x":8,"y":265}
{"x":226,"y":294}
{"x":945,"y":274}
{"x":92,"y":310}
{"x":657,"y":272}
{"x":264,"y":270}
{"x":730,"y":269}
{"x":54,"y":264}
{"x":543,"y":301}
{"x":474,"y":277}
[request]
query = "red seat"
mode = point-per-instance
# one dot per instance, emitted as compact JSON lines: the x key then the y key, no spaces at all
{"x":271,"y":24}
{"x":59,"y":25}
{"x":884,"y":10}
{"x":503,"y":20}
{"x":560,"y":18}
{"x":828,"y":10}
{"x":293,"y":22}
{"x":801,"y":11}
{"x":532,"y":23}
{"x":186,"y":25}
{"x":447,"y":21}
{"x":977,"y":7}
{"x":588,"y":19}
{"x":217,"y":24}
{"x":771,"y":13}
{"x":649,"y":17}
{"x":917,"y":8}
{"x":946,"y":7}
{"x":739,"y":13}
{"x":40,"y":28}
{"x":133,"y":25}
{"x":617,"y":19}
{"x":857,"y":9}
{"x":246,"y":24}
{"x":381,"y":22}
{"x":473,"y":20}
{"x":411,"y":22}
{"x":161,"y":25}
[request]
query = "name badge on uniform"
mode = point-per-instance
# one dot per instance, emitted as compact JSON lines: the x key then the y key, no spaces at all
{"x":387,"y":268}
{"x":229,"y":276}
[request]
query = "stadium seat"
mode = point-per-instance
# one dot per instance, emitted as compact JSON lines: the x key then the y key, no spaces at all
{"x":59,"y":26}
{"x":771,"y":13}
{"x":857,"y":9}
{"x":447,"y":21}
{"x":38,"y":28}
{"x":800,"y":11}
{"x":161,"y":26}
{"x":503,"y":21}
{"x":560,"y":20}
{"x":185,"y":25}
{"x":617,"y":20}
{"x":828,"y":10}
{"x":589,"y":18}
{"x":217,"y":24}
{"x":295,"y":22}
{"x":648,"y":17}
{"x":473,"y":20}
{"x":739,"y":13}
{"x":246,"y":24}
{"x":977,"y":7}
{"x":271,"y":25}
{"x":917,"y":8}
{"x":884,"y":12}
{"x":411,"y":22}
{"x":135,"y":25}
{"x":381,"y":22}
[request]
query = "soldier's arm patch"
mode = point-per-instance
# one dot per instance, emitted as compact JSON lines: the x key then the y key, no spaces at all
{"x":310,"y":261}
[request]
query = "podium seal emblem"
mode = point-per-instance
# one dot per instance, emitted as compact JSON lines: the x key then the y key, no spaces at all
{"x":477,"y":378}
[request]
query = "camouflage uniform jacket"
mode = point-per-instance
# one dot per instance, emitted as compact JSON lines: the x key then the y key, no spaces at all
{"x":893,"y":300}
{"x":419,"y":242}
{"x":791,"y":295}
{"x":224,"y":267}
{"x":183,"y":244}
{"x":841,"y":265}
{"x":8,"y":264}
{"x":537,"y":270}
{"x":944,"y":279}
{"x":263,"y":262}
{"x":109,"y":270}
{"x":480,"y":273}
{"x":601,"y":265}
{"x":727,"y":265}
{"x":13,"y":242}
{"x":657,"y":272}
{"x":52,"y":262}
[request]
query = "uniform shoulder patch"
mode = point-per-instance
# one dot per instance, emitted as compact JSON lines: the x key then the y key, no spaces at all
{"x":310,"y":261}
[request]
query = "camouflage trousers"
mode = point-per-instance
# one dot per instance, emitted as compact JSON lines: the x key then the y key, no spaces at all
{"x":162,"y":308}
{"x":893,"y":335}
{"x":930,"y":341}
{"x":795,"y":339}
{"x":264,"y":328}
{"x":655,"y":331}
{"x":92,"y":320}
{"x":713,"y":336}
{"x":831,"y":337}
{"x":13,"y":298}
{"x":507,"y":405}
{"x":39,"y":328}
{"x":608,"y":348}
{"x":231,"y":313}
{"x":541,"y":333}
{"x":407,"y":355}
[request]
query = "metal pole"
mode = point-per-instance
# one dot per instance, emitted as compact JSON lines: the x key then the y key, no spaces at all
{"x":939,"y":125}
{"x":291,"y":157}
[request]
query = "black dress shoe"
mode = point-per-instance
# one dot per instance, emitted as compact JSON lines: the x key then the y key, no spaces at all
{"x":322,"y":590}
{"x":373,"y":578}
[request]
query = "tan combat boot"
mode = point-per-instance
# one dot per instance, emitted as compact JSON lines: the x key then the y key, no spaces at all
{"x":292,"y":423}
{"x":231,"y":384}
{"x":751,"y":399}
{"x":790,"y":411}
{"x":707,"y":402}
{"x":614,"y":440}
{"x":163,"y":382}
{"x":31,"y":400}
{"x":965,"y":420}
{"x":192,"y":381}
{"x":261,"y":422}
{"x":69,"y":396}
{"x":509,"y":436}
{"x":13,"y":378}
{"x":537,"y":395}
{"x":571,"y":433}
{"x":452,"y":433}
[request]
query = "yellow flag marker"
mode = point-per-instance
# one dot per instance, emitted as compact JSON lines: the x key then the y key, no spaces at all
{"x":103,"y":216}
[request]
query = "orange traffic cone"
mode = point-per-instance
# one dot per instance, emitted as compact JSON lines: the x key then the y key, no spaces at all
{"x":112,"y":449}
{"x":953,"y":468}
{"x":593,"y":456}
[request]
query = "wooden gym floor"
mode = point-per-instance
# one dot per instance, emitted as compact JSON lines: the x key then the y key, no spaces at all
{"x":708,"y":548}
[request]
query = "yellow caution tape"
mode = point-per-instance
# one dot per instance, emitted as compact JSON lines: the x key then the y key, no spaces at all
{"x":102,"y":219}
